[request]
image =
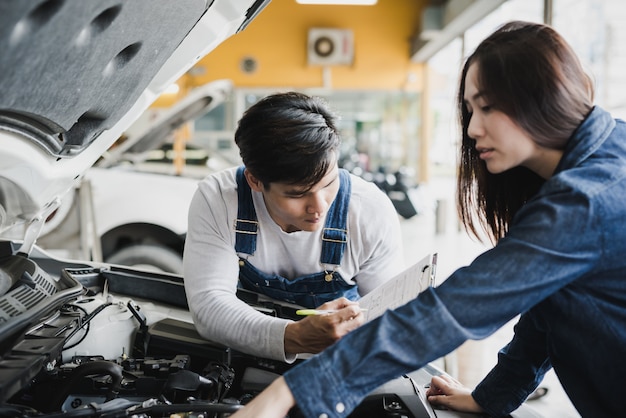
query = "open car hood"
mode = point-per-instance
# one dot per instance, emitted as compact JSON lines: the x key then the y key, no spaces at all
{"x":141,"y":138}
{"x":75,"y":75}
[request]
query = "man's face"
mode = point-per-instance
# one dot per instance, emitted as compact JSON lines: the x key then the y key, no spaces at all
{"x":298,"y":208}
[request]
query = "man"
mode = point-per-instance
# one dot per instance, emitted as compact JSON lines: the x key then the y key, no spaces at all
{"x":291,"y":225}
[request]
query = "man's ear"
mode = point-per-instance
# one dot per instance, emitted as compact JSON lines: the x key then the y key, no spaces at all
{"x":254,"y":183}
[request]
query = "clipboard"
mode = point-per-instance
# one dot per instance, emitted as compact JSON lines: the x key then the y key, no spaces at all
{"x":402,"y":288}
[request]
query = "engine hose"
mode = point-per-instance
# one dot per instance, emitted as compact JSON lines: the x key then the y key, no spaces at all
{"x":124,"y":410}
{"x":93,"y":367}
{"x":116,"y":407}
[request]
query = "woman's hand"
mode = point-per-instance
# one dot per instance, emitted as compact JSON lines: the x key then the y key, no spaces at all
{"x":274,"y":402}
{"x":450,"y":393}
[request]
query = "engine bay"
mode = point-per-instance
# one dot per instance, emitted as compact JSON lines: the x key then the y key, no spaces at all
{"x":82,"y":340}
{"x":96,"y":340}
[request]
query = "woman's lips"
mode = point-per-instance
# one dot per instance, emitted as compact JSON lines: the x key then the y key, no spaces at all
{"x":484,"y":153}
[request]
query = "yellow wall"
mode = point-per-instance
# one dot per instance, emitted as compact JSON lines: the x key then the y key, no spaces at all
{"x":277,"y":40}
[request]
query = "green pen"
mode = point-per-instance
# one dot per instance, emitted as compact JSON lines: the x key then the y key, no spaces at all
{"x":307,"y":312}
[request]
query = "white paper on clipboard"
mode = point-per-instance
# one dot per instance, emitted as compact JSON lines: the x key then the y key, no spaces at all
{"x":401,"y":289}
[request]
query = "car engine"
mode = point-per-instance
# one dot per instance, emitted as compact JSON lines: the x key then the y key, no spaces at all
{"x":83,"y":340}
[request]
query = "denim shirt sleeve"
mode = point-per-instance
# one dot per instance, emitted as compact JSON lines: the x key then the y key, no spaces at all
{"x":542,"y":254}
{"x":522,"y":364}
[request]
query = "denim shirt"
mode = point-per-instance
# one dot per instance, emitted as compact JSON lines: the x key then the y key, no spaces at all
{"x":562,"y":266}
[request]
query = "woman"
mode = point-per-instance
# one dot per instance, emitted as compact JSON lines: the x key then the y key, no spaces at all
{"x":545,"y":171}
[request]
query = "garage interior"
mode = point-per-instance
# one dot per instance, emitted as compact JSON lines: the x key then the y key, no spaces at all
{"x":389,"y":69}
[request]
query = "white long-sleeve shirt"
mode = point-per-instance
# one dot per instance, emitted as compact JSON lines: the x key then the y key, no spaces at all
{"x":211,"y":269}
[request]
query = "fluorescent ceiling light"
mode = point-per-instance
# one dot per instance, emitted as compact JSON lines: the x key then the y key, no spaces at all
{"x":340,"y":2}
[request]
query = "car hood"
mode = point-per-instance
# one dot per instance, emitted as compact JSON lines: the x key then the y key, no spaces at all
{"x":144,"y":136}
{"x":75,"y":75}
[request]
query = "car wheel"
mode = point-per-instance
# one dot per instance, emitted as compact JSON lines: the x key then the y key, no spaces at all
{"x":149,"y":257}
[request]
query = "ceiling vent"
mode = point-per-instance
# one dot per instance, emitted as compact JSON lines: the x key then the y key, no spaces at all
{"x":330,"y":46}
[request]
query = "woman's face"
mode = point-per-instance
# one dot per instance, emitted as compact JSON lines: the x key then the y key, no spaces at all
{"x":299,"y":208}
{"x":500,"y":142}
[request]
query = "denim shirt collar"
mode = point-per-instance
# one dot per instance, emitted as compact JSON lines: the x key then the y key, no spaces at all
{"x":587,"y":138}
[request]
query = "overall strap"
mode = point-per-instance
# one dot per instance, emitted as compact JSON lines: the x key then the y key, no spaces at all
{"x":246,"y":224}
{"x":335,"y":233}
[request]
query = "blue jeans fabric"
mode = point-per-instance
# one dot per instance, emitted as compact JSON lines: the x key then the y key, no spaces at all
{"x":310,"y":290}
{"x":562,"y":266}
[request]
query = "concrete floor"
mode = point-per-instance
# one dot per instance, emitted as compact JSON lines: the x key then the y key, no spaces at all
{"x":437,"y":231}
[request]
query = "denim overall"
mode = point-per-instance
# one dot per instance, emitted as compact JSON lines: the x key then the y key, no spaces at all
{"x":310,"y":290}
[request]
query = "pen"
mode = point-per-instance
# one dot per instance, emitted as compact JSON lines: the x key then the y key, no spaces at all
{"x":306,"y":312}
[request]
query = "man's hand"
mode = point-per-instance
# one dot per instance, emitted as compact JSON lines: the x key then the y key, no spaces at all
{"x":448,"y":392}
{"x":314,"y":333}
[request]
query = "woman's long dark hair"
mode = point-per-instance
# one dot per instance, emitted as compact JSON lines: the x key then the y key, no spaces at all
{"x":530,"y":73}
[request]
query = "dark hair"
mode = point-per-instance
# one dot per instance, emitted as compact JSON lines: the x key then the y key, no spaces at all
{"x":530,"y":73}
{"x":288,"y":138}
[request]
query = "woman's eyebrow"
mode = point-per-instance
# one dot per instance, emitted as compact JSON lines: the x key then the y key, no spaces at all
{"x":474,"y":97}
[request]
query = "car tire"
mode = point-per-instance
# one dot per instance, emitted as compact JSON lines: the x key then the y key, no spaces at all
{"x":149,"y":257}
